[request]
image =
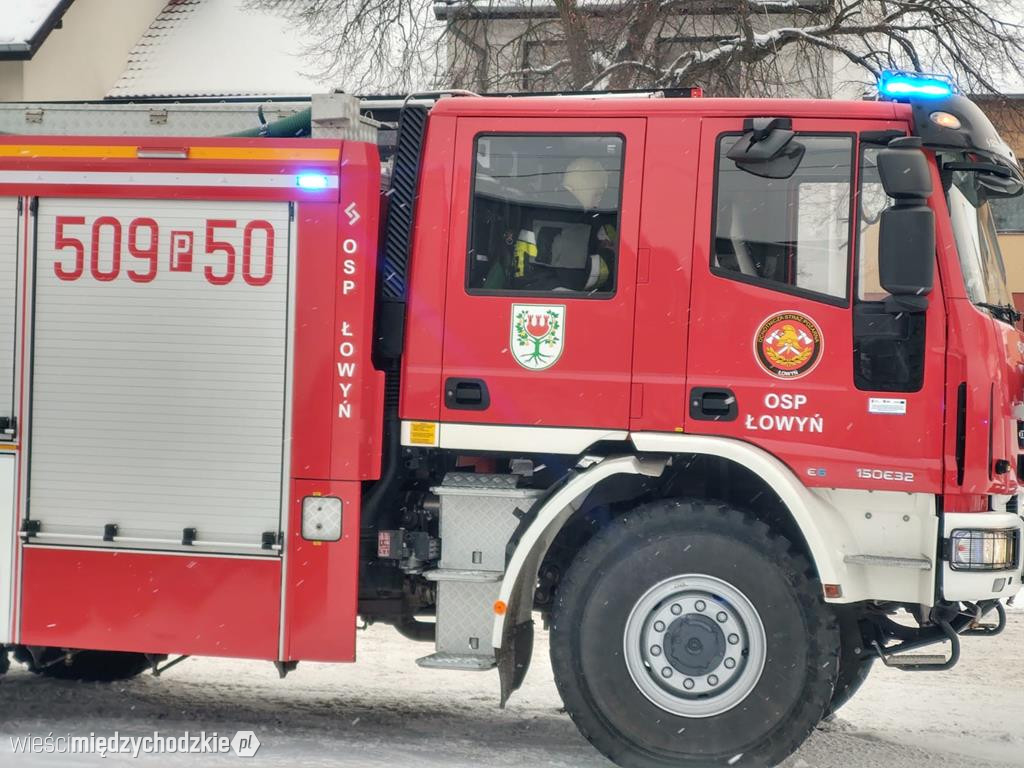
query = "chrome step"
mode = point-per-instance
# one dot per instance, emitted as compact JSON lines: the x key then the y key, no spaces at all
{"x":463,"y":662}
{"x":915,"y":659}
{"x":456,"y":574}
{"x":890,"y":561}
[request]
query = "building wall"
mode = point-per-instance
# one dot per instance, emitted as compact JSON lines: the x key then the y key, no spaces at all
{"x":84,"y":57}
{"x":12,"y":74}
{"x":494,"y":54}
{"x":1010,"y":124}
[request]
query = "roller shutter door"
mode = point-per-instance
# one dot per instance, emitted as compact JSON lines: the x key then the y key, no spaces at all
{"x":9,"y":242}
{"x":159,"y":372}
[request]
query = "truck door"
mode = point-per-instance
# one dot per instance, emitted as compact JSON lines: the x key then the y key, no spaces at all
{"x":790,"y":345}
{"x":541,"y":275}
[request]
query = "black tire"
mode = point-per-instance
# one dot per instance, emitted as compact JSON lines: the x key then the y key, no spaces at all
{"x":854,"y":666}
{"x":90,"y":666}
{"x":645,"y":548}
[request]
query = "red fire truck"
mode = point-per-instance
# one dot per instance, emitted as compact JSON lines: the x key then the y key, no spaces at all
{"x":726,"y":392}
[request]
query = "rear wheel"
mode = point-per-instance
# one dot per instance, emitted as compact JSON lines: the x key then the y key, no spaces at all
{"x":687,"y":633}
{"x":93,"y":666}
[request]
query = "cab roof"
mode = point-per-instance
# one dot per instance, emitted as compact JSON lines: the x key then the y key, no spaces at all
{"x":587,"y":106}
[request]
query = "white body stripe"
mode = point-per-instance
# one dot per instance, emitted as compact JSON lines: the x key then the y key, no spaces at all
{"x":155,"y":179}
{"x":496,"y":437}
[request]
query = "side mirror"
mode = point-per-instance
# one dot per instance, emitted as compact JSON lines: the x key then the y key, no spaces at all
{"x":767,"y":148}
{"x":906,"y":244}
{"x":904,"y":169}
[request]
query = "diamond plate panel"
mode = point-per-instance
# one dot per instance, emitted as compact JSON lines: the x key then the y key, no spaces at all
{"x":474,"y":480}
{"x":465,"y":617}
{"x":478,"y":518}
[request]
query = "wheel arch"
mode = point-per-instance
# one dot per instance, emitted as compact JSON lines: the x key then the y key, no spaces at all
{"x":656,"y":451}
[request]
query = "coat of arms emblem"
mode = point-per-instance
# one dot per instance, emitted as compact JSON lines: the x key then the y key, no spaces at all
{"x":538,"y":332}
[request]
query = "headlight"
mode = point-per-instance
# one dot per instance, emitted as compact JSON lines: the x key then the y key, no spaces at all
{"x":983,"y":550}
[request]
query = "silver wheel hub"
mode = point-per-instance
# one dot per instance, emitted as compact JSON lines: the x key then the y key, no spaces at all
{"x":695,"y":645}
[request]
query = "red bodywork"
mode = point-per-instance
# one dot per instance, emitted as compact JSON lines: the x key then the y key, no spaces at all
{"x":692,"y":328}
{"x":221,"y":605}
{"x":628,"y":363}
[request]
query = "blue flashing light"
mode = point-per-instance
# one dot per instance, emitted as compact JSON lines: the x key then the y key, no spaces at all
{"x":311,"y":181}
{"x":905,"y":85}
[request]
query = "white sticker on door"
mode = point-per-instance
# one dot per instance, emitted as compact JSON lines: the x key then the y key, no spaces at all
{"x":895,"y":406}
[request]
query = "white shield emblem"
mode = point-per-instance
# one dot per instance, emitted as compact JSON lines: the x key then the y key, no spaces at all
{"x":537,"y":335}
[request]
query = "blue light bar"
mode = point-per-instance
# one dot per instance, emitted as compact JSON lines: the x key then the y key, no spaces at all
{"x":311,"y":181}
{"x":905,"y":85}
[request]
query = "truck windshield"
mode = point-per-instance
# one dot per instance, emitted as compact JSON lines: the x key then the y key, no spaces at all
{"x":978,"y":246}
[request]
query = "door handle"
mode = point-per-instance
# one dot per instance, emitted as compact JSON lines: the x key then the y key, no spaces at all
{"x":466,"y":394}
{"x":712,"y":404}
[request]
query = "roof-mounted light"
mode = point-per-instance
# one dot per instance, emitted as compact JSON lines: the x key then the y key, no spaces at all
{"x":909,"y":85}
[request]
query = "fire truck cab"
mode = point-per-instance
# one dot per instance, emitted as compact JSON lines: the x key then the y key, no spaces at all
{"x":727,"y":392}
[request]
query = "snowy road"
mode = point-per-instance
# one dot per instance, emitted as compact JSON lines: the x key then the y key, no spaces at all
{"x":386,"y":712}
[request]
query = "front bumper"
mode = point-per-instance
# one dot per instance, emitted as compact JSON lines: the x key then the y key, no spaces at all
{"x":973,"y":586}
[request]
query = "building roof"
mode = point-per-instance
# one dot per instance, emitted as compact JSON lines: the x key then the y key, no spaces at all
{"x":25,"y":24}
{"x":198,"y":48}
{"x":539,"y":9}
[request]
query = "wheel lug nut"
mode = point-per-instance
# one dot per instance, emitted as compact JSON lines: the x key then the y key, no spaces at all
{"x":659,"y":626}
{"x":722,"y":617}
{"x":677,"y":609}
{"x":700,"y":605}
{"x":666,"y":672}
{"x":730,"y":663}
{"x":733,"y":639}
{"x":655,"y":650}
{"x":687,"y":683}
{"x":712,"y":680}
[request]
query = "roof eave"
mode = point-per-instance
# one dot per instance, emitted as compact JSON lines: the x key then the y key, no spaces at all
{"x":25,"y":51}
{"x":15,"y":51}
{"x":461,"y":11}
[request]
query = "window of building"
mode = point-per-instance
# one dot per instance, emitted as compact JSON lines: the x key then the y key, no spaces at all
{"x":788,"y":234}
{"x":545,"y":215}
{"x":1008,"y":213}
{"x":873,"y":201}
{"x":543,"y":65}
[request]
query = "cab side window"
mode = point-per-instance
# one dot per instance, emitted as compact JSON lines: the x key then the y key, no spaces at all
{"x":544,"y":218}
{"x":790,"y":234}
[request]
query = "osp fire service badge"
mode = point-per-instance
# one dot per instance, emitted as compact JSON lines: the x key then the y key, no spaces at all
{"x":537,"y":334}
{"x":788,"y":345}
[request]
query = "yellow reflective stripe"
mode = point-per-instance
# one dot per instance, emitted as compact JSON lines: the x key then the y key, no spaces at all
{"x":329,"y":154}
{"x":319,"y":154}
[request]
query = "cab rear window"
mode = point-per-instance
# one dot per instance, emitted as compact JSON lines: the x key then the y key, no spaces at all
{"x":545,"y":215}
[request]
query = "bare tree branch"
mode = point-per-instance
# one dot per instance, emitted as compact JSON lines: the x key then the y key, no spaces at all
{"x":730,"y":47}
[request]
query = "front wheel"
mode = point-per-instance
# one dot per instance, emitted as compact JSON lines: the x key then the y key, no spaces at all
{"x":687,"y":633}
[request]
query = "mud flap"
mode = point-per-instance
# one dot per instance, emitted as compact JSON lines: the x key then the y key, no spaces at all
{"x":514,"y":659}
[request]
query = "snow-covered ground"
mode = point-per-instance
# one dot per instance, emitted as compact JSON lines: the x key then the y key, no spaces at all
{"x":385,"y":712}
